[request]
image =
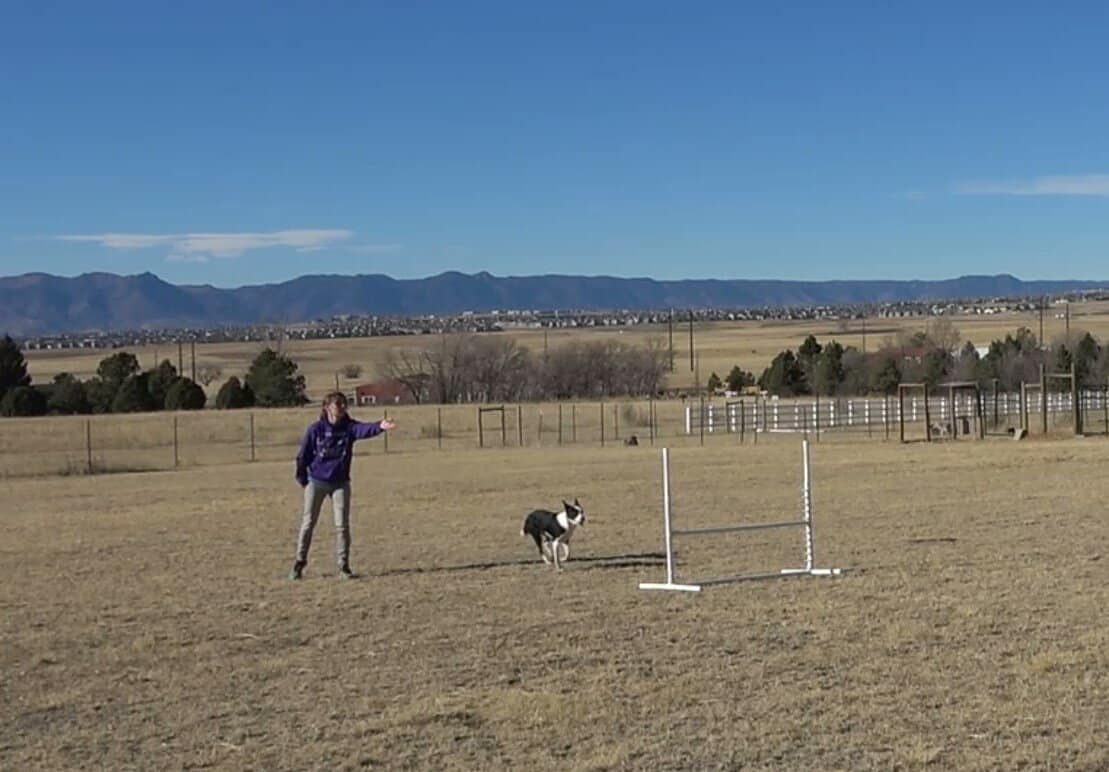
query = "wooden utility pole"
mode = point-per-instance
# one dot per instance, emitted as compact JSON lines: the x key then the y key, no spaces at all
{"x":1042,"y":301}
{"x":691,"y":340}
{"x":670,"y":325}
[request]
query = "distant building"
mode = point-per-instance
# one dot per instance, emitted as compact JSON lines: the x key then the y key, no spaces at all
{"x":386,"y":392}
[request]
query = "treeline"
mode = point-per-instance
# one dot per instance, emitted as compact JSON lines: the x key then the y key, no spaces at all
{"x":493,"y":368}
{"x":934,"y":355}
{"x":122,"y":386}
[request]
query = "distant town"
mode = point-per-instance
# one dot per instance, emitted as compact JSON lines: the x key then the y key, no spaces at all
{"x":349,"y":326}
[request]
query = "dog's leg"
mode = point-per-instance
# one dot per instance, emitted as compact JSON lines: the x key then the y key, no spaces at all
{"x":554,"y":553}
{"x":539,"y":539}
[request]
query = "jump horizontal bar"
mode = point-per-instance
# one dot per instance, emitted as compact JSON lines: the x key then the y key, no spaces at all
{"x":731,"y":528}
{"x":665,"y":586}
{"x":775,"y":575}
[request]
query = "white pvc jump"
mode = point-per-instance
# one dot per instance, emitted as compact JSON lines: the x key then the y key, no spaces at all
{"x":669,"y":532}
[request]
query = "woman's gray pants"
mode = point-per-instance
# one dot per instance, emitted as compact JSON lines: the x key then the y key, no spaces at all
{"x":314,"y":494}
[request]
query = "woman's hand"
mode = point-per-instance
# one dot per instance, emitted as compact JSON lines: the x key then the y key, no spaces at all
{"x":388,"y":425}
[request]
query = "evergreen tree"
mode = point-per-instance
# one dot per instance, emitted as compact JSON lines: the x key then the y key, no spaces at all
{"x":885,"y":377}
{"x":133,"y":395}
{"x":99,"y":395}
{"x":68,"y":396}
{"x":115,"y":369}
{"x":936,"y":365}
{"x":185,"y":394}
{"x":827,"y":373}
{"x":738,"y":379}
{"x":159,"y":381}
{"x":714,"y":383}
{"x":233,"y":394}
{"x":807,"y":355}
{"x":1086,"y":354}
{"x":1061,"y":359}
{"x":22,"y":401}
{"x":784,"y":377}
{"x":274,"y":380}
{"x":13,"y":367}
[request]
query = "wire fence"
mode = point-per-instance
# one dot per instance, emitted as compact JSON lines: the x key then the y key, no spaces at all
{"x":63,"y":445}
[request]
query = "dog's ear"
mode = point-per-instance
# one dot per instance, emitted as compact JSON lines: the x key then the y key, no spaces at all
{"x":576,"y":504}
{"x":565,"y":506}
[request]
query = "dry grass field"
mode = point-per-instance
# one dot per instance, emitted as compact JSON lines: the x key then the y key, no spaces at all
{"x":147,"y":624}
{"x":719,"y":345}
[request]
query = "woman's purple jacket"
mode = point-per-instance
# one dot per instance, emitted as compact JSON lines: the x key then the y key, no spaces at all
{"x":326,"y":449}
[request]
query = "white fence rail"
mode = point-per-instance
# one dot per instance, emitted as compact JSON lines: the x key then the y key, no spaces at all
{"x":809,"y":414}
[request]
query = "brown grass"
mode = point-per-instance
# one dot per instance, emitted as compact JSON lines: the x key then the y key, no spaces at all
{"x":146,"y":622}
{"x":719,"y":345}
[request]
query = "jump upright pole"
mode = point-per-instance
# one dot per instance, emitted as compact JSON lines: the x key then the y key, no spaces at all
{"x":669,"y":532}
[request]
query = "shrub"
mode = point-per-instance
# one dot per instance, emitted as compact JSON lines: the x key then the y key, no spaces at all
{"x":185,"y":394}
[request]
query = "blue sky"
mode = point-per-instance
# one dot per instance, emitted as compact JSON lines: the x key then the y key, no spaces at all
{"x":231,"y":143}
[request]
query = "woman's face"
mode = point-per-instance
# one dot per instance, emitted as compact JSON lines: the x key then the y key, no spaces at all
{"x":336,"y":409}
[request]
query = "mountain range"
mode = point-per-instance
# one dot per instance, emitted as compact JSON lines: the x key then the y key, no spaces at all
{"x":38,"y":303}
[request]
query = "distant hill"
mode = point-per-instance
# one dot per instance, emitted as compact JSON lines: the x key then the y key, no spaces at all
{"x":36,"y":304}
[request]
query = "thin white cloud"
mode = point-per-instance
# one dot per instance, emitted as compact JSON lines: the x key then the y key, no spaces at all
{"x":1072,"y":185}
{"x":175,"y":258}
{"x":184,"y":245}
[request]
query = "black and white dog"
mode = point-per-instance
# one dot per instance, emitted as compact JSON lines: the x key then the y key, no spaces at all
{"x":552,"y":531}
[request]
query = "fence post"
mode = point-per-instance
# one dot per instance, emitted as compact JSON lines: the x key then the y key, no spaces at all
{"x":1105,"y":407}
{"x":755,"y":419}
{"x":539,"y":434}
{"x":816,"y":416}
{"x":504,"y":429}
{"x":385,"y":435}
{"x":480,"y":430}
{"x":520,"y":425}
{"x":573,"y":422}
{"x":1075,"y":407}
{"x":252,"y":451}
{"x":615,"y":420}
{"x":559,"y":423}
{"x":602,"y":411}
{"x":1022,"y":408}
{"x":1043,"y":399}
{"x":88,"y":443}
{"x":651,"y":418}
{"x":439,"y":426}
{"x":901,"y":411}
{"x":927,"y":416}
{"x":175,"y":456}
{"x":701,"y":417}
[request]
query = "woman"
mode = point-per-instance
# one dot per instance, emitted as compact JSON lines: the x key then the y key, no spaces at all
{"x":323,"y":469}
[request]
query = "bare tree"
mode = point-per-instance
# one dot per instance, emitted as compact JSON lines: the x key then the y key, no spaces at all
{"x":208,"y":373}
{"x":497,"y":369}
{"x":943,"y":333}
{"x":407,"y":367}
{"x":493,"y":368}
